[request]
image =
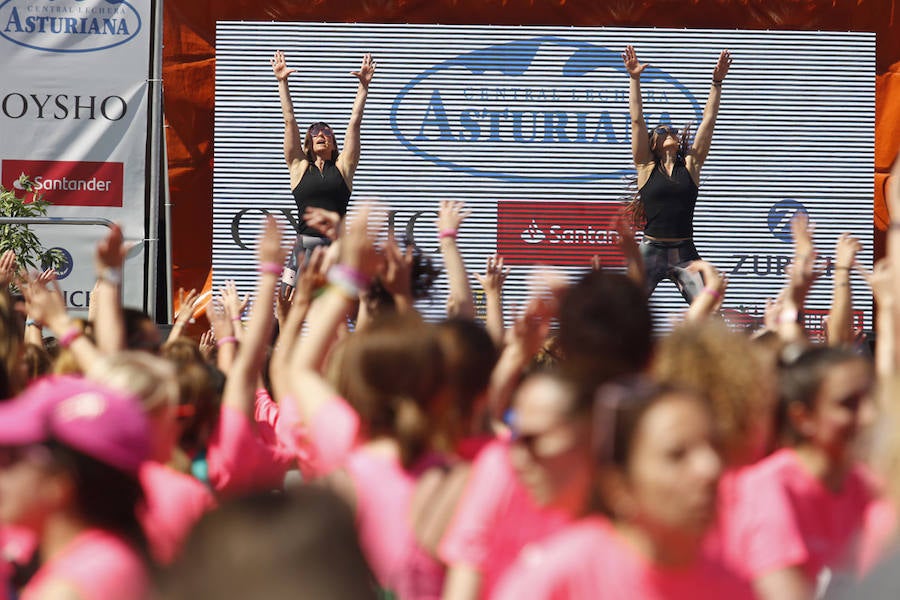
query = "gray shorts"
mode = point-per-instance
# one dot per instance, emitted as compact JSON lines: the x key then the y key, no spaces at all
{"x":667,"y":260}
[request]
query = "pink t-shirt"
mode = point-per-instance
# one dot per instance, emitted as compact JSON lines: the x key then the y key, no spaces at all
{"x":588,"y":560}
{"x":879,"y":532}
{"x":98,"y":565}
{"x":239,"y":459}
{"x":383,"y":491}
{"x":496,"y":518}
{"x":17,"y":546}
{"x":784,"y":517}
{"x":173,"y":503}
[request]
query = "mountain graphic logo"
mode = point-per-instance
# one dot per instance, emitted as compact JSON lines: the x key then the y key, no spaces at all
{"x":533,"y":234}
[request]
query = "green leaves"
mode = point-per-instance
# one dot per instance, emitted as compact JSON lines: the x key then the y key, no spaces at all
{"x":30,"y":254}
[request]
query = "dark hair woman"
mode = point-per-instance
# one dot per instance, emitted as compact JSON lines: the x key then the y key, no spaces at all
{"x":321,"y":175}
{"x":668,"y":166}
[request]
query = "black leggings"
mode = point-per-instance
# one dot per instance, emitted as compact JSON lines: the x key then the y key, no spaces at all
{"x":667,"y":260}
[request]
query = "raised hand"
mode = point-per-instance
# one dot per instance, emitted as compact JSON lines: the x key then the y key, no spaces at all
{"x":45,"y":303}
{"x":232,"y":301}
{"x":7,"y":267}
{"x":632,"y":65}
{"x":187,"y":303}
{"x":111,"y":250}
{"x":207,"y":343}
{"x":451,"y":214}
{"x":279,"y":66}
{"x":366,"y":70}
{"x":358,"y":249}
{"x":326,"y":221}
{"x":396,"y":271}
{"x":722,"y":66}
{"x":846,"y":250}
{"x":494,"y":275}
{"x":219,"y":320}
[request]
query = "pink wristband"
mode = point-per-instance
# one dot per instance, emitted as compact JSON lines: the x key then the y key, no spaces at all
{"x":447,"y":233}
{"x":355,"y":276}
{"x":70,"y":336}
{"x":712,"y":292}
{"x":229,"y":339}
{"x":270,"y":268}
{"x":236,"y":319}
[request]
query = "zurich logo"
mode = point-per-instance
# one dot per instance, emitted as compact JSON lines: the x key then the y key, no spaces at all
{"x":65,"y":269}
{"x":504,"y":110}
{"x":780,"y":216}
{"x":69,"y":25}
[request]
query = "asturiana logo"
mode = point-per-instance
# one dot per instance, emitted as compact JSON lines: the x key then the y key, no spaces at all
{"x":69,"y":25}
{"x":501,"y":110}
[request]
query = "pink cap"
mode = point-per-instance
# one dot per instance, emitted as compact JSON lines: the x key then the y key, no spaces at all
{"x":86,"y":416}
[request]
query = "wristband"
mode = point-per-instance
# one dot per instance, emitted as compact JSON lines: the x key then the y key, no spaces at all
{"x":111,"y":275}
{"x":348,"y":280}
{"x":236,"y":319}
{"x":894,"y":225}
{"x":70,"y":336}
{"x":717,"y":82}
{"x":229,"y":339}
{"x":32,"y":323}
{"x":270,"y":268}
{"x":447,"y":233}
{"x":712,"y":292}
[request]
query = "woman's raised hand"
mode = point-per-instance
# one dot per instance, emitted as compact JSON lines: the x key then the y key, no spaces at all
{"x":279,"y":66}
{"x":634,"y":67}
{"x":366,"y":70}
{"x":722,"y":65}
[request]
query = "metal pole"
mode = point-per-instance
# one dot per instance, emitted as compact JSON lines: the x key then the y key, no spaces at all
{"x":168,"y":225}
{"x":155,"y":107}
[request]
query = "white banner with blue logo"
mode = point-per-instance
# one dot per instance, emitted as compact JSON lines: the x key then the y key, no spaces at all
{"x":533,"y":122}
{"x":73,"y":117}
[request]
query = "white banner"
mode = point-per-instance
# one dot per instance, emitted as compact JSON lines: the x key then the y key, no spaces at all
{"x":73,"y":117}
{"x":530,"y":126}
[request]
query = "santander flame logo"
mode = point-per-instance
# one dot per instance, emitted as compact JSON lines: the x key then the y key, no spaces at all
{"x":533,"y":234}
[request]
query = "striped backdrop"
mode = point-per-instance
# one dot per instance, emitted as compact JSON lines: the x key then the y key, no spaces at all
{"x":531,"y":123}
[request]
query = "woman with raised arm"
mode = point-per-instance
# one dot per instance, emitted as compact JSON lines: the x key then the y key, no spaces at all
{"x":668,"y":166}
{"x":321,"y":175}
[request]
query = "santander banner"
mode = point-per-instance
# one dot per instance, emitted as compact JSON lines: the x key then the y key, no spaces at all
{"x":558,"y":233}
{"x":70,"y":183}
{"x":73,"y":118}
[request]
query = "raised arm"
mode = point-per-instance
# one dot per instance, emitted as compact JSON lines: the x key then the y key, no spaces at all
{"x":640,"y":142}
{"x":251,"y":354}
{"x":109,"y":325}
{"x":293,"y":142}
{"x":707,"y":302}
{"x":451,"y":214}
{"x":840,"y":317}
{"x":359,"y":261}
{"x":349,"y":157}
{"x":492,"y":283}
{"x":703,"y":137}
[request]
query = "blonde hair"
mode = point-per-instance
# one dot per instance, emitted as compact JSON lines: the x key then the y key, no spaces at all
{"x":728,"y":369}
{"x":150,"y":378}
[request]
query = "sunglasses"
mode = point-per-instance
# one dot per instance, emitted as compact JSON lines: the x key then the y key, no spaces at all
{"x":317,"y":129}
{"x":665,"y":130}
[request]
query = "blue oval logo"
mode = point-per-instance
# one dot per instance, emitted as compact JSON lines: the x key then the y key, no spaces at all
{"x":503,"y":110}
{"x":780,"y":216}
{"x":69,"y":25}
{"x":65,"y":269}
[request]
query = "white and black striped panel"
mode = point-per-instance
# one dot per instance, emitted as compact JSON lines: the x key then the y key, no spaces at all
{"x":506,"y":114}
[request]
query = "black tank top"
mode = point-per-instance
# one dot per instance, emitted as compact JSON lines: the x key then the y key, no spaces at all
{"x":669,"y":202}
{"x":321,"y":189}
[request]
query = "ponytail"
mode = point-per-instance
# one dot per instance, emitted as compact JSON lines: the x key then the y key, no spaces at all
{"x":411,"y":430}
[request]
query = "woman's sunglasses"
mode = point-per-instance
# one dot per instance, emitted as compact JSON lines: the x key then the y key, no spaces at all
{"x":665,"y":130}
{"x":317,"y":129}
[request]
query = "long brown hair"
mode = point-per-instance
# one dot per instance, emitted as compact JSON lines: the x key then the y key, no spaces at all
{"x":634,"y":206}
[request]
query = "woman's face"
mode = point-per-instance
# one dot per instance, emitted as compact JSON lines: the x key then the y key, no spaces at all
{"x":322,"y":139}
{"x":29,"y":486}
{"x":674,"y":467}
{"x":841,"y":408}
{"x":551,"y":452}
{"x":665,"y":138}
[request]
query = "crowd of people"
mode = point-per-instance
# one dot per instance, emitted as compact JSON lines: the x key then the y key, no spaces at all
{"x":322,"y":440}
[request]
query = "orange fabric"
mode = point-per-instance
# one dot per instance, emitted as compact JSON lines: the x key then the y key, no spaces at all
{"x":189,"y":70}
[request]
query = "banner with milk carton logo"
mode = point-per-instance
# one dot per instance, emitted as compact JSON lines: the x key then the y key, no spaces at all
{"x":73,"y":118}
{"x":530,"y":127}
